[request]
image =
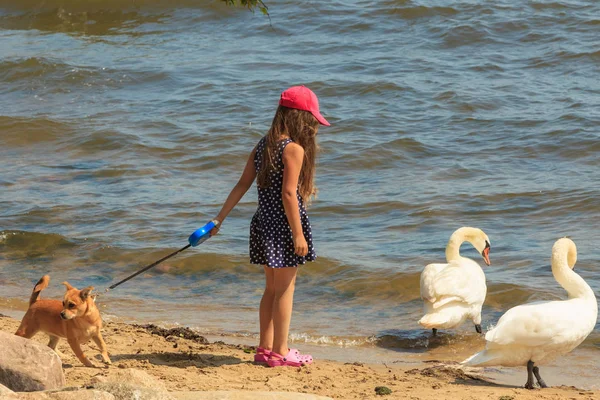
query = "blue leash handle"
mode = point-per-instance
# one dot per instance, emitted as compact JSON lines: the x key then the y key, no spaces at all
{"x":199,"y":236}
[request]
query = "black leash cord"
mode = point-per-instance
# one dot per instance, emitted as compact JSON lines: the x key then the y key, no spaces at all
{"x":147,"y":268}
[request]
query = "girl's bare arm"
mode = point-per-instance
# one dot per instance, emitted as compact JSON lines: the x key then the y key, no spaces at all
{"x":293,"y":156}
{"x":239,"y":190}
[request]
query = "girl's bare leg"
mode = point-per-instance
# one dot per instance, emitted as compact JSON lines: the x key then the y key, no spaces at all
{"x":284,"y":284}
{"x":265,"y":312}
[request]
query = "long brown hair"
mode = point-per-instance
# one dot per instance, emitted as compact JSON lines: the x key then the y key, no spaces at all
{"x":301,"y":126}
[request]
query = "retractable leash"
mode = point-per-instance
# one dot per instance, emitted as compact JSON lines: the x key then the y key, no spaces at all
{"x":199,"y":236}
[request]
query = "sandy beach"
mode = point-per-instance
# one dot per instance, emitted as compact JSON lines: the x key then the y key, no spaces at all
{"x":191,"y":364}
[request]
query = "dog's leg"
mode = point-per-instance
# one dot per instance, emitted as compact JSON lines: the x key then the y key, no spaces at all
{"x":74,"y":343}
{"x":53,"y":342}
{"x":25,"y":330}
{"x":100,"y":343}
{"x":24,"y":333}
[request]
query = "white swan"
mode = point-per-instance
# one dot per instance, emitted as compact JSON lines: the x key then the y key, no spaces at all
{"x":455,"y":291}
{"x":540,"y":331}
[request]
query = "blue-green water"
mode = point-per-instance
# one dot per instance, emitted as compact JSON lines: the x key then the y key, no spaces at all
{"x":125,"y":124}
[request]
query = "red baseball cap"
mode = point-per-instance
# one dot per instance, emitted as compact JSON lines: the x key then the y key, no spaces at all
{"x":302,"y":98}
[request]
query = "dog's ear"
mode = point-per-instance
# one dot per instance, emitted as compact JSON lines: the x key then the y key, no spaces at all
{"x":68,"y":286}
{"x":85,"y":293}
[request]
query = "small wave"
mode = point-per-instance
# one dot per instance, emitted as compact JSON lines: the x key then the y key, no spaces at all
{"x":466,"y":35}
{"x":421,"y":341}
{"x":511,"y":26}
{"x":49,"y":76}
{"x":530,"y":202}
{"x":465,"y":104}
{"x":80,"y":6}
{"x":23,"y":131}
{"x":341,"y":341}
{"x":376,"y":88}
{"x":593,"y":22}
{"x":502,"y":296}
{"x":552,"y":5}
{"x":104,"y":140}
{"x":28,"y":68}
{"x":363,"y":210}
{"x":552,"y":59}
{"x":570,"y":146}
{"x":331,"y":280}
{"x":383,"y":154}
{"x":104,"y":22}
{"x":390,"y":287}
{"x":487,"y":67}
{"x":409,"y":11}
{"x":108,"y":17}
{"x":14,"y":243}
{"x":582,"y":201}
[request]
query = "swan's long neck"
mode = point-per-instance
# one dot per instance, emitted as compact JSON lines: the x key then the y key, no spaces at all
{"x":562,"y":255}
{"x":453,"y":246}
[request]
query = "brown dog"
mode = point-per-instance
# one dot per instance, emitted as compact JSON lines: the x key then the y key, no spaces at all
{"x":77,"y":318}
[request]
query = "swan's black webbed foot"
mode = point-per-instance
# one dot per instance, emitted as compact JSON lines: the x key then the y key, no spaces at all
{"x":540,"y":381}
{"x":529,"y":383}
{"x":434,"y":332}
{"x":478,"y":328}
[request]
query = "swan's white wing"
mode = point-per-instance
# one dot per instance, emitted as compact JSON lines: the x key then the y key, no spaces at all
{"x":427,"y":281}
{"x":538,"y":324}
{"x":457,"y":282}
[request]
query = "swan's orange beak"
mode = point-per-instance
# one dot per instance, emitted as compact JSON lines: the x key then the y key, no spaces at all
{"x":486,"y":254}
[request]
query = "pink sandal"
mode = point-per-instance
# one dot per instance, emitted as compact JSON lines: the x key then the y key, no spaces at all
{"x":261,"y":356}
{"x":292,"y":359}
{"x":307,"y":358}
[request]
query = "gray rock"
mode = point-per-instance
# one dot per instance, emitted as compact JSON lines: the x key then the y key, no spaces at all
{"x":127,"y":384}
{"x":27,"y":366}
{"x":4,"y":390}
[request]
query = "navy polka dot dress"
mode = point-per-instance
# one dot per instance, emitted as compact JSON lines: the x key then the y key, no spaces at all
{"x":271,"y":240}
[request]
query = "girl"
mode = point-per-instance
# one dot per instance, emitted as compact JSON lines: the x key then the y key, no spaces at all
{"x":280,"y":234}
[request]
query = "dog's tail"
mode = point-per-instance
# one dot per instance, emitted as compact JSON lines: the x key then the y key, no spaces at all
{"x":41,"y":285}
